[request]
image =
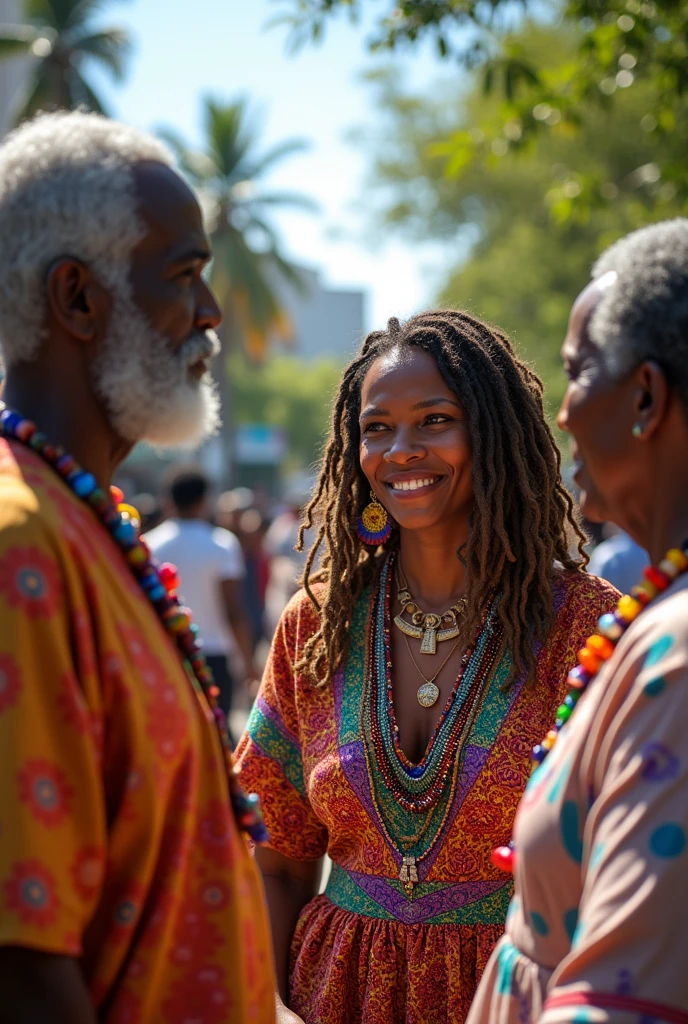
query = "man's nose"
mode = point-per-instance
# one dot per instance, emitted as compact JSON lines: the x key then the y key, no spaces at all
{"x":563,"y":414}
{"x":208,"y":312}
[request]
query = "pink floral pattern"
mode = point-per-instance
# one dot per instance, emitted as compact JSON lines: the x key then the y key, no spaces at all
{"x":88,"y":869}
{"x":44,"y":788}
{"x":30,"y":581}
{"x":30,"y":893}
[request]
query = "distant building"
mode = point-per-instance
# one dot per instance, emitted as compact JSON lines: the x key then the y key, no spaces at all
{"x":326,"y":322}
{"x":13,"y":70}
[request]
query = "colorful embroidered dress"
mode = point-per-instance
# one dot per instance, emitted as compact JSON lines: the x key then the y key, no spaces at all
{"x":597,"y":928}
{"x":332,"y":778}
{"x":117,"y":842}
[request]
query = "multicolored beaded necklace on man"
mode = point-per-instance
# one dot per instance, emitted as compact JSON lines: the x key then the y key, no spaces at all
{"x":158,"y":582}
{"x":599,"y":648}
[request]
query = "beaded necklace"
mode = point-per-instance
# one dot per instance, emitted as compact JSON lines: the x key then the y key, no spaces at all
{"x":158,"y":582}
{"x":599,"y":648}
{"x":419,"y":789}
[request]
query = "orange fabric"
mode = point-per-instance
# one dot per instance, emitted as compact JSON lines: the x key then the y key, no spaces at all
{"x":117,"y":844}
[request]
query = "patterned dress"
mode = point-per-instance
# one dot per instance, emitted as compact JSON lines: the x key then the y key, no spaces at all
{"x":118,"y":846}
{"x":377,"y":947}
{"x":597,"y":929}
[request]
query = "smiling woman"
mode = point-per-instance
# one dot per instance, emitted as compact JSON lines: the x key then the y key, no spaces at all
{"x":409,"y":679}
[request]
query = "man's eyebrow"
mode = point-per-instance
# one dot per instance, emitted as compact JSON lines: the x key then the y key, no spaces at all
{"x":187,"y":255}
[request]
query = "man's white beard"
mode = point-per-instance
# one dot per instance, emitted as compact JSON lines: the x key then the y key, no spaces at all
{"x":147,"y":389}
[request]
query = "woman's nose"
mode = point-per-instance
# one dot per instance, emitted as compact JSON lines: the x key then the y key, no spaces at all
{"x":404,"y":447}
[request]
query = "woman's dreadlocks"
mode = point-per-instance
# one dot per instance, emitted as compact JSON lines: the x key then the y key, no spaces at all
{"x":523,"y":519}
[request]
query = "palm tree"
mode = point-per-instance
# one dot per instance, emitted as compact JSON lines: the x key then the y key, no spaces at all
{"x":59,"y":37}
{"x":248,"y":262}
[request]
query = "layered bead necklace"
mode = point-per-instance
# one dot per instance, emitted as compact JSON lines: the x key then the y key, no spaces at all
{"x":158,"y":582}
{"x":597,"y":650}
{"x":413,"y":802}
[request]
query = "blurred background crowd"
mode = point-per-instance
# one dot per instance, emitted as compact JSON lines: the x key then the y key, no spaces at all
{"x":359,"y":160}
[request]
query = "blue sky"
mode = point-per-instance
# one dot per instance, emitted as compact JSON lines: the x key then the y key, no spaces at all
{"x":186,"y":48}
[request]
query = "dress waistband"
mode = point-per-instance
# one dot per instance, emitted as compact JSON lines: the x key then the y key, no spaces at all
{"x":469,"y":903}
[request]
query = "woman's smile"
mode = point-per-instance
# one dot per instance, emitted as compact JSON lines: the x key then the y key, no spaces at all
{"x":411,"y":486}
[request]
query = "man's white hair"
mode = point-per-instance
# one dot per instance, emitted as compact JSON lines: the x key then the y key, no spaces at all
{"x":66,"y":189}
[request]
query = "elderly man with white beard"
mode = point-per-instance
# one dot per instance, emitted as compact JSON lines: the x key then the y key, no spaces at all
{"x":127,"y":891}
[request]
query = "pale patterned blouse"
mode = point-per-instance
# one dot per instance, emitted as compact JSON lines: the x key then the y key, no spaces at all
{"x":598,"y":926}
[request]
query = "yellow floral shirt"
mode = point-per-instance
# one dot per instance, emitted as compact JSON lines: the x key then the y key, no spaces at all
{"x":117,"y":841}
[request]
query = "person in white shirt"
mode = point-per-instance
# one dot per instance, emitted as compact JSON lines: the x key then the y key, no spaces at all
{"x":211,"y":570}
{"x":618,"y":559}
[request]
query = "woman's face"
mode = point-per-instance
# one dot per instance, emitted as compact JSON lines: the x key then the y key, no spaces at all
{"x":415,"y":447}
{"x":599,"y":413}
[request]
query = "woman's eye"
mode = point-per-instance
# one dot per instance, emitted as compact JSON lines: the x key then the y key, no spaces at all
{"x":436,"y":417}
{"x":374,"y":428}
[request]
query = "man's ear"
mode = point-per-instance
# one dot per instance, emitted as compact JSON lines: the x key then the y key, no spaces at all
{"x":76,"y":299}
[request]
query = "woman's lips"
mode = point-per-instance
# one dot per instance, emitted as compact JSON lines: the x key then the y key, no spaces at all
{"x":413,"y":486}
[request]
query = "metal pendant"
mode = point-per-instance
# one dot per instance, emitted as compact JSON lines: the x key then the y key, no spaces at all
{"x":419,"y":633}
{"x":408,"y":875}
{"x":429,"y":644}
{"x":427,"y":695}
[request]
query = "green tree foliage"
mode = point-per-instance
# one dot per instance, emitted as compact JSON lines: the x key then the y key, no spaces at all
{"x":289,"y":393}
{"x":248,"y":260}
{"x":60,"y":38}
{"x":528,"y":219}
{"x":621,"y":46}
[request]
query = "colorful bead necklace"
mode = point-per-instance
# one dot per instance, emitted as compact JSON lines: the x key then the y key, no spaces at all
{"x":426,"y":792}
{"x":599,"y":648}
{"x":158,"y":582}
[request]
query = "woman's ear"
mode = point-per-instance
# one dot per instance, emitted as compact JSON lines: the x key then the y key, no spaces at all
{"x":651,"y":399}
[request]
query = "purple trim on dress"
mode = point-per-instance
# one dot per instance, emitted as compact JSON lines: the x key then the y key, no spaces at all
{"x":274,"y":718}
{"x":353,"y":764}
{"x":474,"y":761}
{"x":452,"y":897}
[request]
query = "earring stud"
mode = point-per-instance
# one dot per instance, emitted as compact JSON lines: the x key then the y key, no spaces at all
{"x":637,"y":430}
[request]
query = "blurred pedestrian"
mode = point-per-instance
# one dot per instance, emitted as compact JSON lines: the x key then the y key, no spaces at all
{"x":286,"y":563}
{"x":230,"y":506}
{"x":251,"y":532}
{"x":618,"y":559}
{"x":127,"y":892}
{"x":212,"y":574}
{"x":149,"y":510}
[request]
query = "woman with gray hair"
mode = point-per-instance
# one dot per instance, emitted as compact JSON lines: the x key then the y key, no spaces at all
{"x":596,"y":929}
